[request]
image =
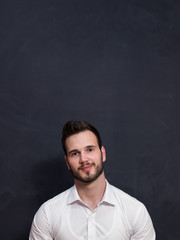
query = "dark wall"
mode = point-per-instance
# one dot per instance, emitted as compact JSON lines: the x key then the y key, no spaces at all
{"x":113,"y":63}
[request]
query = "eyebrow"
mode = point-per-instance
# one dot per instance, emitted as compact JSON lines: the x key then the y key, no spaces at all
{"x":91,"y":146}
{"x":76,"y":150}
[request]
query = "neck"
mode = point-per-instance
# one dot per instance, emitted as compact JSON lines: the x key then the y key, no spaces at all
{"x":91,"y":193}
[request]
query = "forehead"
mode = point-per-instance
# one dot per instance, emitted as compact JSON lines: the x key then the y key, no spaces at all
{"x":80,"y":140}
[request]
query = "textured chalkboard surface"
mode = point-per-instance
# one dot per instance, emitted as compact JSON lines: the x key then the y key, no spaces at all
{"x":113,"y":63}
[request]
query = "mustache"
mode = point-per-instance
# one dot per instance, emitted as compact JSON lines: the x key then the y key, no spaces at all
{"x":85,"y":164}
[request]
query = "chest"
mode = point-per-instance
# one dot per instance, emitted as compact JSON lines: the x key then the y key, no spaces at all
{"x":79,"y":223}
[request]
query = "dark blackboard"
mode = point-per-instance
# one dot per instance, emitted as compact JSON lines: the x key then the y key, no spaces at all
{"x":112,"y":63}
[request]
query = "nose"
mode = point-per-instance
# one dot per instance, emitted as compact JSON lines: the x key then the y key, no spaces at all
{"x":82,"y":158}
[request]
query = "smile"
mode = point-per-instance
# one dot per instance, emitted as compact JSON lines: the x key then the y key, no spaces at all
{"x":86,"y":167}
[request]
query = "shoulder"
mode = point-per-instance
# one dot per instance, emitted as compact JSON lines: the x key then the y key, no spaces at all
{"x":134,"y":211}
{"x":58,"y":202}
{"x":124,"y":197}
{"x":128,"y":204}
{"x":58,"y":199}
{"x":48,"y":215}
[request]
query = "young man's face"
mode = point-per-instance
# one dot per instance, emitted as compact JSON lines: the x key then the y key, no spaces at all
{"x":84,"y":157}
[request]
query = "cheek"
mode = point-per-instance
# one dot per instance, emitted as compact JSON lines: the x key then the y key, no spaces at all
{"x":69,"y":163}
{"x":73,"y":165}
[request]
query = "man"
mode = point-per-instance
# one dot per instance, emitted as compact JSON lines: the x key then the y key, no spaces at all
{"x":92,"y":209}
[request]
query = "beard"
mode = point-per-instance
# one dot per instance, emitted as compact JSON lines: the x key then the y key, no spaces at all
{"x":89,"y":177}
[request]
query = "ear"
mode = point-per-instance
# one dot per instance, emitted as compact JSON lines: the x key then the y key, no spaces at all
{"x":65,"y":157}
{"x":103,"y":153}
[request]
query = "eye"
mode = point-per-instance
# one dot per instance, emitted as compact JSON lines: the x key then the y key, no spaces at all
{"x":73,"y":154}
{"x":90,"y":149}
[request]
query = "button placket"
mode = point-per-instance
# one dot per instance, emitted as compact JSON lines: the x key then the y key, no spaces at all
{"x":91,"y":227}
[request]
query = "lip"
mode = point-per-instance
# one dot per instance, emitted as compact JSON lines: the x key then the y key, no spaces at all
{"x":86,"y":168}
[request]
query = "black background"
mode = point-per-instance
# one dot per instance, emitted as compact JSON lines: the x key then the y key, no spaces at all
{"x":112,"y":63}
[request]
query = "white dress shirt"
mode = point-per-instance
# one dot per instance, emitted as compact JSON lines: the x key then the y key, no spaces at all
{"x":117,"y":217}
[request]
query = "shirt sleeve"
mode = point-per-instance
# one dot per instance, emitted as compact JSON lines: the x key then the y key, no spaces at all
{"x":40,"y":229}
{"x":142,"y":226}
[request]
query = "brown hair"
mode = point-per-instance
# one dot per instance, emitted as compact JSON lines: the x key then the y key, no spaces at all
{"x":75,"y":126}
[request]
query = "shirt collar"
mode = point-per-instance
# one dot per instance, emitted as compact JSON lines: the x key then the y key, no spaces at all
{"x":73,"y":195}
{"x":108,"y":195}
